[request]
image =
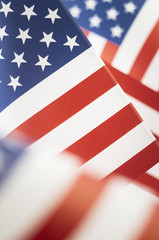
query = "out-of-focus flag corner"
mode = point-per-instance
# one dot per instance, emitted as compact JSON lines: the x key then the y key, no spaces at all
{"x":48,"y":200}
{"x":126,"y":36}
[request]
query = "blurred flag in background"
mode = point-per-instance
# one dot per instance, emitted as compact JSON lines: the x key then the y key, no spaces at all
{"x":126,"y":35}
{"x":44,"y":198}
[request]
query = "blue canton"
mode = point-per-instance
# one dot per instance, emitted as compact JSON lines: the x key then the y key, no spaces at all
{"x":108,"y":18}
{"x":37,"y":38}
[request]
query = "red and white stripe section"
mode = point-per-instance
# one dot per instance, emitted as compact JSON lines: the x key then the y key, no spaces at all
{"x":88,"y":115}
{"x":144,"y":99}
{"x":139,"y":48}
{"x":48,"y":91}
{"x":103,"y":47}
{"x":154,"y":171}
{"x":35,"y":186}
{"x":150,"y":180}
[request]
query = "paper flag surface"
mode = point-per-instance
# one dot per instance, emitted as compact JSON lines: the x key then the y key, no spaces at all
{"x":58,"y":93}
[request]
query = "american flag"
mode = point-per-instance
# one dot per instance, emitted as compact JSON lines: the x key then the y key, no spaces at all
{"x":130,"y":27}
{"x":56,"y":91}
{"x":126,"y":35}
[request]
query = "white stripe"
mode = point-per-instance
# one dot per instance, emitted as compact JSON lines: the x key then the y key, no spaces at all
{"x":37,"y":185}
{"x":151,"y":76}
{"x":150,"y":115}
{"x":136,"y":36}
{"x":154,"y":171}
{"x":118,"y":214}
{"x":84,"y":121}
{"x":136,"y":188}
{"x":119,"y":152}
{"x":98,"y":42}
{"x":49,"y":90}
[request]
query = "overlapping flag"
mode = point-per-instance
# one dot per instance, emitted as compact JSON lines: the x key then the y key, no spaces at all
{"x":128,"y":29}
{"x":126,"y":35}
{"x":56,"y":92}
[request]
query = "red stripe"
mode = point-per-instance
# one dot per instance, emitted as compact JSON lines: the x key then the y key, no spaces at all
{"x":72,"y":210}
{"x":146,"y":54}
{"x":151,"y":230}
{"x":109,"y":52}
{"x":136,"y":89}
{"x":149,"y":181}
{"x":67,"y":105}
{"x":141,"y":162}
{"x":105,"y":134}
{"x":86,"y":32}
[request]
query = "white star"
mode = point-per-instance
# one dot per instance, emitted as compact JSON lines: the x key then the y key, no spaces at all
{"x":95,"y":21}
{"x":112,"y":14}
{"x":47,"y":39}
{"x":3,"y":33}
{"x":108,"y":1}
{"x":130,"y":7}
{"x":43,"y":62}
{"x":19,"y":59}
{"x":24,"y":35}
{"x":1,"y":57}
{"x":6,"y":8}
{"x":14,"y":83}
{"x":53,"y":15}
{"x":90,"y":4}
{"x":116,"y":31}
{"x":75,"y":11}
{"x":29,"y":12}
{"x":71,"y":42}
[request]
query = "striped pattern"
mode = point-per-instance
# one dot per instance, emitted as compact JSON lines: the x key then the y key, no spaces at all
{"x":129,"y":58}
{"x":144,"y":99}
{"x":137,"y":59}
{"x":144,"y":62}
{"x":149,"y":50}
{"x":151,"y":179}
{"x":89,"y":116}
{"x":107,"y":162}
{"x":54,"y":86}
{"x":98,"y":213}
{"x":154,"y":171}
